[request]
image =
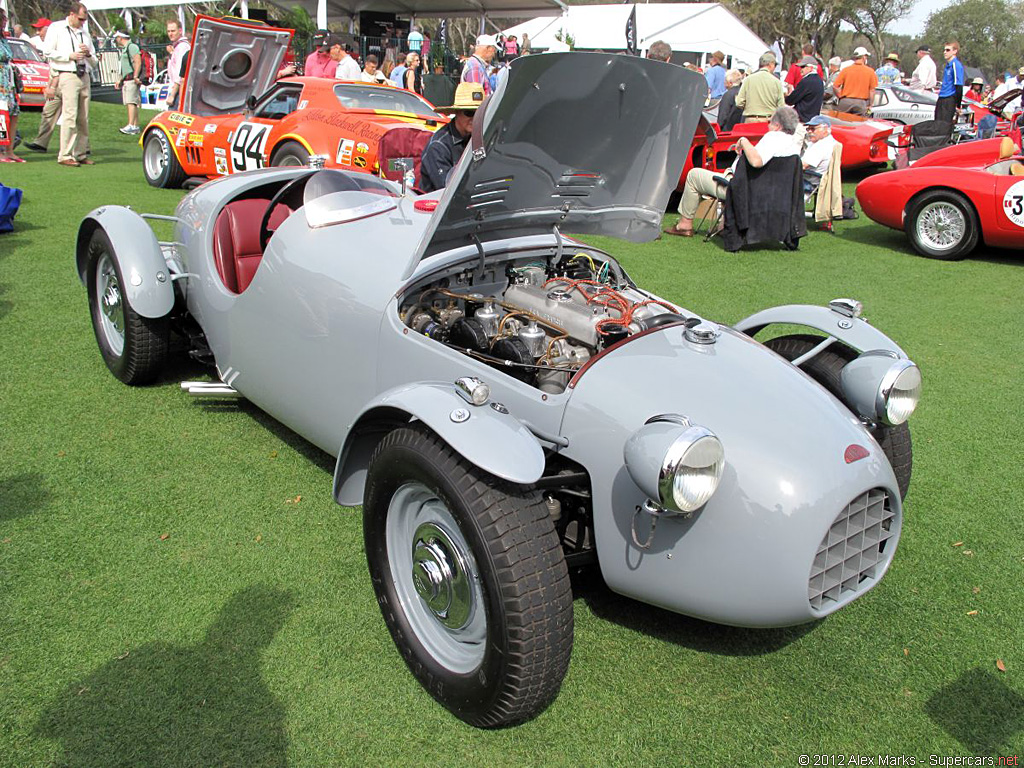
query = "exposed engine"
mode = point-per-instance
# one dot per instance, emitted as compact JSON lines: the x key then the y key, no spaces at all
{"x":539,"y":323}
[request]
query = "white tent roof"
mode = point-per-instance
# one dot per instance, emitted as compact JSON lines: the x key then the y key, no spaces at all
{"x":345,"y":9}
{"x":688,"y":27}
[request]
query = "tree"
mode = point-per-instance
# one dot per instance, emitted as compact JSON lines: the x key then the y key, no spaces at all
{"x":990,"y":33}
{"x":794,"y":23}
{"x":871,"y":17}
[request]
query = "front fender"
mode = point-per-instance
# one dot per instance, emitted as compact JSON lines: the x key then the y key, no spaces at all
{"x":147,"y":281}
{"x":496,"y":442}
{"x":854,"y":332}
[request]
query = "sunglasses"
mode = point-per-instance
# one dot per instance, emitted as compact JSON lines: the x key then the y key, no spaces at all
{"x":467,"y":112}
{"x":948,"y":49}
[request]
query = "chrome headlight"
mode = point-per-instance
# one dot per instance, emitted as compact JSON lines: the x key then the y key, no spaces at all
{"x":881,"y":387}
{"x":676,"y":463}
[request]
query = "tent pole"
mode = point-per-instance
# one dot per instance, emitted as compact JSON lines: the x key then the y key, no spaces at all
{"x":245,"y":9}
{"x":321,"y":14}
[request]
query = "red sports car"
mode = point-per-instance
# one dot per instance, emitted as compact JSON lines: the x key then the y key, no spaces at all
{"x":35,"y":72}
{"x":997,"y":108}
{"x":952,"y":198}
{"x":865,"y":143}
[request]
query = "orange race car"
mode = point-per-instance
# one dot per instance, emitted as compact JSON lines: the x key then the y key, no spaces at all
{"x":236,"y":116}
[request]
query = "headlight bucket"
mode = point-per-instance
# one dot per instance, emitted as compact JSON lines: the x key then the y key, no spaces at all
{"x":881,"y":387}
{"x":677,"y":464}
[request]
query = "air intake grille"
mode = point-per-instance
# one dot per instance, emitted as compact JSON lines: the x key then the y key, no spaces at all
{"x":854,"y":552}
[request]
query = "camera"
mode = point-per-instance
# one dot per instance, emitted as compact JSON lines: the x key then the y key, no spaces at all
{"x":80,"y":69}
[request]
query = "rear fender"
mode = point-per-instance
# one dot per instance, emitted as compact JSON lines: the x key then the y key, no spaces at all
{"x":496,"y":442}
{"x":854,"y":332}
{"x":147,"y":280}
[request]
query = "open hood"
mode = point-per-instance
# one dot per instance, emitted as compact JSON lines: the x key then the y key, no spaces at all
{"x":592,"y":143}
{"x":230,"y":61}
{"x":1000,"y":104}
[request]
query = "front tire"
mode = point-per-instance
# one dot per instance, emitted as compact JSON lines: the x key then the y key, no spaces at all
{"x":941,"y":224}
{"x":825,"y":368}
{"x":290,"y":154}
{"x":471,"y":580}
{"x":159,"y":163}
{"x":133,"y":347}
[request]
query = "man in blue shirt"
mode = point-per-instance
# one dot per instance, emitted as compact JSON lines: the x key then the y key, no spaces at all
{"x":953,"y":79}
{"x":716,"y":75}
{"x":889,"y":72}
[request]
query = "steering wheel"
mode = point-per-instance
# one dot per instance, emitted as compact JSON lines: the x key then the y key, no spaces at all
{"x":282,"y":197}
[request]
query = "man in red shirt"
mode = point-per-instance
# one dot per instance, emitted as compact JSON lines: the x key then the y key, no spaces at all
{"x":796,"y":70}
{"x":319,"y":63}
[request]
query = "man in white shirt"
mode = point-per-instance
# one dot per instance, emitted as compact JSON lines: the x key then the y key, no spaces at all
{"x":348,"y":68}
{"x":818,"y":154}
{"x":71,"y":54}
{"x":778,"y":142}
{"x":923,"y":78}
{"x":179,"y":49}
{"x":370,"y":72}
{"x":41,"y":25}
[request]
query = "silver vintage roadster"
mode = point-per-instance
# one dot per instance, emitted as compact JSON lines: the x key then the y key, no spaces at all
{"x":503,"y":400}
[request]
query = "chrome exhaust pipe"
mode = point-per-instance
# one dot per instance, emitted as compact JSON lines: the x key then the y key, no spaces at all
{"x":216,"y":389}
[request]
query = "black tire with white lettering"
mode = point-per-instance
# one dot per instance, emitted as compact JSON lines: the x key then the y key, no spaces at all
{"x":159,"y":163}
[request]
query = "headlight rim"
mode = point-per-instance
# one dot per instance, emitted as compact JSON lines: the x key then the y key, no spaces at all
{"x":886,"y":388}
{"x":674,"y":460}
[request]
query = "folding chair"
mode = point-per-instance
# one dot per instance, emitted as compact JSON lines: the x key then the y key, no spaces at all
{"x":713,"y":209}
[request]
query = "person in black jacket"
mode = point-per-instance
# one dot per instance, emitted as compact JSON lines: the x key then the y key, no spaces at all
{"x":448,"y":143}
{"x":808,"y":94}
{"x":728,"y":113}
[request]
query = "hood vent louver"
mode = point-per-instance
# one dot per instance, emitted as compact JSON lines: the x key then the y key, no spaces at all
{"x":576,"y":184}
{"x":489,"y":192}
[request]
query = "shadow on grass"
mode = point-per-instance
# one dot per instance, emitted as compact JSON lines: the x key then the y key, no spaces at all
{"x":980,"y":711}
{"x":22,"y":495}
{"x":294,"y":441}
{"x":698,"y":635}
{"x":163,"y":704}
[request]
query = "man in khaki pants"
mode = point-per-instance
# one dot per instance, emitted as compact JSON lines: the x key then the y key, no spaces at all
{"x":70,"y":51}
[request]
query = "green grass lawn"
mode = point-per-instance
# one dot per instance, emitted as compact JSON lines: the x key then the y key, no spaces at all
{"x":177,"y":586}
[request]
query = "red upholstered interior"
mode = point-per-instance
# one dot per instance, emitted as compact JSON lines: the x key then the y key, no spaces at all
{"x":402,"y":142}
{"x":236,"y":240}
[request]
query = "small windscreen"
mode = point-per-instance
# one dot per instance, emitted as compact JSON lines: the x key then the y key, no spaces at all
{"x":23,"y":50}
{"x":915,"y":97}
{"x":331,"y":180}
{"x":383,"y":98}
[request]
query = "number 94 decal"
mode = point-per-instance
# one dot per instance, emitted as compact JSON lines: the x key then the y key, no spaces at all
{"x":247,"y":145}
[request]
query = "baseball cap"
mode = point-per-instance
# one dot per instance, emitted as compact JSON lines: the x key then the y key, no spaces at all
{"x":977,"y":81}
{"x":320,"y":37}
{"x":925,"y":48}
{"x":817,"y":120}
{"x":484,"y":40}
{"x":121,"y":33}
{"x":808,"y":61}
{"x":41,"y":23}
{"x":859,"y":51}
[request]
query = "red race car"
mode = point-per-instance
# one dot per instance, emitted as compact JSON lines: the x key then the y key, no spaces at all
{"x":952,"y":198}
{"x":236,"y":115}
{"x":35,"y":72}
{"x":865,"y":143}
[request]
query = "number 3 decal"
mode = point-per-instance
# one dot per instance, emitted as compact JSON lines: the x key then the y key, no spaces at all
{"x":247,"y":146}
{"x":1013,"y":203}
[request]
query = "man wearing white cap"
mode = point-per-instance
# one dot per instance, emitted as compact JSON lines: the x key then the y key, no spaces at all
{"x":476,"y":68}
{"x":855,"y":86}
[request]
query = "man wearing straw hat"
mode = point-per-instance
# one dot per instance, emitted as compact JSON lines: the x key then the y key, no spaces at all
{"x":448,"y":143}
{"x":889,"y":72}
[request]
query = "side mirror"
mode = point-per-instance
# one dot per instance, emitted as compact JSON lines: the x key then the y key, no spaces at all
{"x":250,"y":103}
{"x":407,"y":168}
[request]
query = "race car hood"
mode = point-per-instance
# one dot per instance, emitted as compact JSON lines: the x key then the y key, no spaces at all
{"x":591,"y":143}
{"x":229,"y":62}
{"x":1000,"y":104}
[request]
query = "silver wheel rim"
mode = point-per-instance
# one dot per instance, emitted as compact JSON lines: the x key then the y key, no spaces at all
{"x":154,"y":156}
{"x":941,"y":225}
{"x":436,"y":578}
{"x":111,"y":305}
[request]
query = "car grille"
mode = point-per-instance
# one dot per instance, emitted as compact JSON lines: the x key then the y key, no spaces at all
{"x":855,"y":551}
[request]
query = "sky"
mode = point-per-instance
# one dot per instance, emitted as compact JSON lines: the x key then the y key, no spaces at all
{"x":914,"y":23}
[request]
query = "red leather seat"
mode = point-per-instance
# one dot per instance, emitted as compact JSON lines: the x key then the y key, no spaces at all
{"x":236,"y":240}
{"x":402,"y":142}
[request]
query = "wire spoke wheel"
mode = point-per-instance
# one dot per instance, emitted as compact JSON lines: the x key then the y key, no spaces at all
{"x":941,"y":225}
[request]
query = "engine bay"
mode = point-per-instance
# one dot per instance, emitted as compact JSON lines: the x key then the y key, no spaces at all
{"x":537,"y":319}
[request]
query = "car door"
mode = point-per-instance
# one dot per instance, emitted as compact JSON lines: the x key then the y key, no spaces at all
{"x":256,"y":132}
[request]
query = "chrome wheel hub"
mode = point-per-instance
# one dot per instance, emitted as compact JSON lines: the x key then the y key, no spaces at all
{"x":436,"y":578}
{"x":439,"y":575}
{"x":155,"y":157}
{"x":108,"y":294}
{"x":941,"y":225}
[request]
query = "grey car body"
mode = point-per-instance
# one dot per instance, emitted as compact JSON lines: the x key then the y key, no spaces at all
{"x":368,"y":304}
{"x":900,"y":104}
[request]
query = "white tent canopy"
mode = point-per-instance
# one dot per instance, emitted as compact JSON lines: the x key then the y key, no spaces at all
{"x":697,"y":29}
